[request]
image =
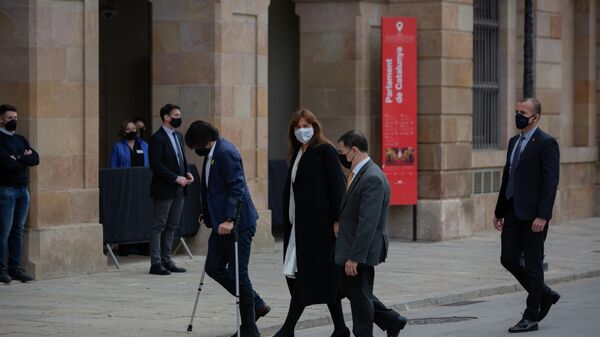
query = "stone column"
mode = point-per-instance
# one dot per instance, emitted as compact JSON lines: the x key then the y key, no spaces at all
{"x":49,"y":70}
{"x":549,"y":65}
{"x":241,"y":111}
{"x":183,"y":70}
{"x":210,"y":57}
{"x":565,"y":66}
{"x":445,"y":209}
{"x":330,"y":56}
{"x":597,"y":126}
{"x":339,"y":80}
{"x":584,"y":75}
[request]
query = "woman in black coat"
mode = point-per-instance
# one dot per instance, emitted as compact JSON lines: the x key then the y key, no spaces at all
{"x":312,"y":197}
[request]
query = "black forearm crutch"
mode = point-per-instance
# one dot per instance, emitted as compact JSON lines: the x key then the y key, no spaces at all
{"x":237,"y":277}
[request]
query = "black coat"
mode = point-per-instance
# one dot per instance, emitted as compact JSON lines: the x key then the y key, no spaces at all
{"x":164,"y":165}
{"x":536,"y":178}
{"x":318,"y":191}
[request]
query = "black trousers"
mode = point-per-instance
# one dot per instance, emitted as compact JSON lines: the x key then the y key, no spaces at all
{"x":519,"y":240}
{"x":366,"y":308}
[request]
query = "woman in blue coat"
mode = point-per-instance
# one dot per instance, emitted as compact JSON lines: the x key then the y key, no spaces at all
{"x":130,"y":151}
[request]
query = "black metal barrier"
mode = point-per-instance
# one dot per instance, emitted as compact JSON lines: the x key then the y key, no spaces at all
{"x":126,"y":207}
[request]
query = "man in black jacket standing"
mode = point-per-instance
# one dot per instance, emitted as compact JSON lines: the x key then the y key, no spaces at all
{"x":524,"y":209}
{"x":169,"y":180}
{"x":16,"y":156}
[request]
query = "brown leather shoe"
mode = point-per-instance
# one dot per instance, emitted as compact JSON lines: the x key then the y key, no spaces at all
{"x":261,"y":311}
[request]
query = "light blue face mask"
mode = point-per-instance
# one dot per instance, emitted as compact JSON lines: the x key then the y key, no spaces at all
{"x":304,"y":135}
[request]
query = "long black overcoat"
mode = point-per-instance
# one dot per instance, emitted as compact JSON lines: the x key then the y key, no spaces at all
{"x":318,"y":191}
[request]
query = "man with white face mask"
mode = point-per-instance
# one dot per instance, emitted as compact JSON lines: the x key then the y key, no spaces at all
{"x":16,"y":156}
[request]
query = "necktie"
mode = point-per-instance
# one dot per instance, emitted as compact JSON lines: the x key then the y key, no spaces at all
{"x":179,"y":155}
{"x":513,"y":168}
{"x":349,"y":180}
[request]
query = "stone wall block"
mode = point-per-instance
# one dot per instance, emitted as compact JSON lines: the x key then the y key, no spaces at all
{"x":80,"y":251}
{"x":166,"y":37}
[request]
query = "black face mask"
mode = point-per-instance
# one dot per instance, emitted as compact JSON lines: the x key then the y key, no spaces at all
{"x":202,"y":152}
{"x":11,"y":125}
{"x":175,"y":122}
{"x":141,"y":132}
{"x":522,"y":121}
{"x":130,"y":135}
{"x":344,"y":160}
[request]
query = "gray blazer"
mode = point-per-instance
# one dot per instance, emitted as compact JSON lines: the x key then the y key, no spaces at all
{"x":363,"y":233}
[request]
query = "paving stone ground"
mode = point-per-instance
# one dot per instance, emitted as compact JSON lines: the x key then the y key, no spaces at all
{"x":130,"y":302}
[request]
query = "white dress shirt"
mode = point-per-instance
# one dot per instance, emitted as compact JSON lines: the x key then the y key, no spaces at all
{"x":209,"y":163}
{"x":357,"y":168}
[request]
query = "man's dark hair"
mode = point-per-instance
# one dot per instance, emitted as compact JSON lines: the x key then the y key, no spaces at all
{"x":199,"y":134}
{"x":537,"y":106}
{"x":138,"y":119}
{"x":165,"y":110}
{"x":4,"y":108}
{"x":355,"y":138}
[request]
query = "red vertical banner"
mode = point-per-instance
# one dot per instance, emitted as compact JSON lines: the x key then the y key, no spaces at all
{"x":399,"y":107}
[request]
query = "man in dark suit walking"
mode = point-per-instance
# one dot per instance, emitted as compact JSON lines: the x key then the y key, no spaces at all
{"x":169,"y":179}
{"x":362,"y":240}
{"x":223,"y":187}
{"x":524,"y":209}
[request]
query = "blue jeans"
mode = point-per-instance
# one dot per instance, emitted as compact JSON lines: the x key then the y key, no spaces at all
{"x":220,"y":262}
{"x":14,"y":205}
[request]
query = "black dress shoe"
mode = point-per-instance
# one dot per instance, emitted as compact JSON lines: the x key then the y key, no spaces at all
{"x":524,"y":325}
{"x":261,"y":311}
{"x":158,"y":269}
{"x":342,"y":333}
{"x":4,"y":277}
{"x":547,"y":302}
{"x":172,"y":267}
{"x":18,"y":273}
{"x":394,"y":331}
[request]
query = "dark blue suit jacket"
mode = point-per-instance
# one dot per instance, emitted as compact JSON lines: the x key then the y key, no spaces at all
{"x":536,"y":178}
{"x":226,"y":185}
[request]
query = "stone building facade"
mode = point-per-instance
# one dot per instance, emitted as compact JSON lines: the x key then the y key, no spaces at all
{"x":213,"y":58}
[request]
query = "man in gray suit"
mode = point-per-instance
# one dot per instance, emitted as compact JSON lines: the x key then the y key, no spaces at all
{"x":362,"y":239}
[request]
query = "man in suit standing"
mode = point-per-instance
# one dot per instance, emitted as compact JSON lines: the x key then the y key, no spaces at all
{"x":169,"y":179}
{"x":524,"y":209}
{"x":223,"y":187}
{"x":362,"y":240}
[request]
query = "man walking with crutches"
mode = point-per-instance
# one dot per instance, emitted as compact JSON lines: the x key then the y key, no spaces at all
{"x":223,"y":187}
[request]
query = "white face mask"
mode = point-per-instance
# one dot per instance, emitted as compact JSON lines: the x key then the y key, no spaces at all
{"x":304,"y":135}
